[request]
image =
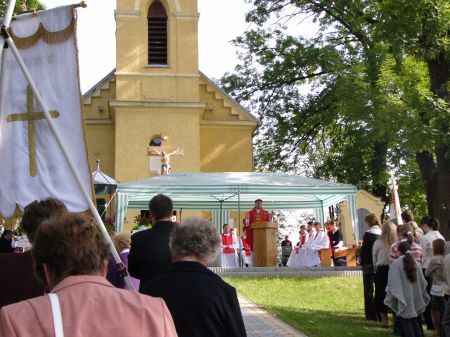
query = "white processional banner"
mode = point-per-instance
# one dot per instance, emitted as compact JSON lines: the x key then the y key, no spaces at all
{"x":394,"y":207}
{"x":32,"y":165}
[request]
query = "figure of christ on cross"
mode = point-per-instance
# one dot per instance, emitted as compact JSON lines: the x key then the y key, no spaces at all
{"x":165,"y":160}
{"x":31,"y":116}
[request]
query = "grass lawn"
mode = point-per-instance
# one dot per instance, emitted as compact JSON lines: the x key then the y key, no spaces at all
{"x":324,"y":307}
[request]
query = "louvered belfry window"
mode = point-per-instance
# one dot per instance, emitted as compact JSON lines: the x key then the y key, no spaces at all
{"x":157,"y":34}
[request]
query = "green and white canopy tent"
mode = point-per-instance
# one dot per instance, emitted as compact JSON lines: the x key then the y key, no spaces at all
{"x":222,"y":192}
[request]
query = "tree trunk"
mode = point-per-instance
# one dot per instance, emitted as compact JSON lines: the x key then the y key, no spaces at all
{"x":435,"y":170}
{"x":443,"y":176}
{"x":428,"y":172}
{"x":378,"y":169}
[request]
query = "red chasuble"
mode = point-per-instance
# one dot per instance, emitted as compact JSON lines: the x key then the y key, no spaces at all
{"x":254,"y":216}
{"x":227,"y":240}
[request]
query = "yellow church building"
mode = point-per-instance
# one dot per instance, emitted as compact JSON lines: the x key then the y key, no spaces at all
{"x":157,"y":93}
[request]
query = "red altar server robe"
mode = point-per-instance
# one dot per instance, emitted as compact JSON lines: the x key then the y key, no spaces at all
{"x":227,"y":240}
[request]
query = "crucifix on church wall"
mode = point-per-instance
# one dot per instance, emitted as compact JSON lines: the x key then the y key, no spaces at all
{"x":160,"y":155}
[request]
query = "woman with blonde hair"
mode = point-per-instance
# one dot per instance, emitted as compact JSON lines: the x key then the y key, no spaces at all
{"x":417,"y":230}
{"x":381,"y":261}
{"x":406,"y":233}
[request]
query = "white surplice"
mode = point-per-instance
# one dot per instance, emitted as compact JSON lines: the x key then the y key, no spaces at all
{"x":247,"y":259}
{"x":317,"y":241}
{"x":297,"y":256}
{"x":228,"y":260}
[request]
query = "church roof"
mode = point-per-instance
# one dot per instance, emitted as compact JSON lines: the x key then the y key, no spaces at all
{"x":237,"y":109}
{"x":246,"y":112}
{"x":99,"y":84}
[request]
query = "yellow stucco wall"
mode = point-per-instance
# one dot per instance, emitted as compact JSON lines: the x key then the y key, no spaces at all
{"x":100,"y":130}
{"x":100,"y":140}
{"x":134,"y":128}
{"x":226,"y":148}
{"x":363,"y":200}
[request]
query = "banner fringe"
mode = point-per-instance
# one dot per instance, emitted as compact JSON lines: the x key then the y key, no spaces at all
{"x":11,"y":222}
{"x":42,"y":33}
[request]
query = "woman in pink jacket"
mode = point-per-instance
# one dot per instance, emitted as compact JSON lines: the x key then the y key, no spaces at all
{"x":70,"y":257}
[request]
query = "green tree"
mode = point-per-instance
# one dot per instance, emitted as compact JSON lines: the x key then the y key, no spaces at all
{"x":21,"y":6}
{"x":422,"y":28}
{"x":367,"y":97}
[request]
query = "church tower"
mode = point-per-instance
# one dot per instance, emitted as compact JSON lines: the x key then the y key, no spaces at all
{"x":156,"y":98}
{"x":156,"y":92}
{"x":157,"y":83}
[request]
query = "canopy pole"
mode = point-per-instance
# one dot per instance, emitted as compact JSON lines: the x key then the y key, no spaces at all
{"x":239,"y":212}
{"x":6,"y":23}
{"x":220,"y":215}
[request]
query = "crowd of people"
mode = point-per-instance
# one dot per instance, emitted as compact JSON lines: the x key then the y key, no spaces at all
{"x":59,"y":285}
{"x":312,"y":240}
{"x":406,"y":272}
{"x":67,"y":284}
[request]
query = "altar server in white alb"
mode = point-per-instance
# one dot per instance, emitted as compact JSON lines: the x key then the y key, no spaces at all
{"x":319,"y":240}
{"x":228,"y":255}
{"x":297,"y":256}
{"x":235,"y":244}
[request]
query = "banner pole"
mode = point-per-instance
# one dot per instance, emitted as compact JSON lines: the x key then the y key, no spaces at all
{"x":72,"y":166}
{"x":6,"y":23}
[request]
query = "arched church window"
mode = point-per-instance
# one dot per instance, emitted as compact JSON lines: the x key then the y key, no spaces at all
{"x":157,"y":34}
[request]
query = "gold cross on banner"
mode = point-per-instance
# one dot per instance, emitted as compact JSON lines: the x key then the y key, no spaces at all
{"x":31,"y":116}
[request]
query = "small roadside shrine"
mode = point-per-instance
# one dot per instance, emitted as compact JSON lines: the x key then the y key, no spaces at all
{"x":225,"y":191}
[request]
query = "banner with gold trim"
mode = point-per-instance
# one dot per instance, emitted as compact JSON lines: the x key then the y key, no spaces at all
{"x":32,"y":165}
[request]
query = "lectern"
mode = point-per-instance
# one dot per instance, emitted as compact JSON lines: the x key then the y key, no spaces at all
{"x":264,"y":244}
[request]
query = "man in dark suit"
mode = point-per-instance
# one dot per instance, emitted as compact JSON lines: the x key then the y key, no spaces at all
{"x":150,"y":253}
{"x":200,"y":302}
{"x":6,"y":241}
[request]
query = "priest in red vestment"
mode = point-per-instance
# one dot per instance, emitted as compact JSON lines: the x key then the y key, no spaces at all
{"x":257,"y":214}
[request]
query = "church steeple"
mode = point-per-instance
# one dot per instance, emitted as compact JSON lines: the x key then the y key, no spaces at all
{"x":157,"y":50}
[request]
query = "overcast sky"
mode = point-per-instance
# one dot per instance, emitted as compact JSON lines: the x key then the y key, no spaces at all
{"x":220,"y":22}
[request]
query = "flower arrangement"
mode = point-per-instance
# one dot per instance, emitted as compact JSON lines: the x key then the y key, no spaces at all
{"x":110,"y":223}
{"x":140,"y":221}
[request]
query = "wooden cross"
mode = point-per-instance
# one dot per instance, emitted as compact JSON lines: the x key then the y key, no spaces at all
{"x":31,"y":116}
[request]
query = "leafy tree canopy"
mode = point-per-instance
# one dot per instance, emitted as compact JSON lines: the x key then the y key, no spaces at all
{"x":21,"y":6}
{"x":353,"y":99}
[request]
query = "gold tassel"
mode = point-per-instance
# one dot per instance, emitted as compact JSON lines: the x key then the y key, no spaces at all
{"x":10,"y":223}
{"x":44,"y":34}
